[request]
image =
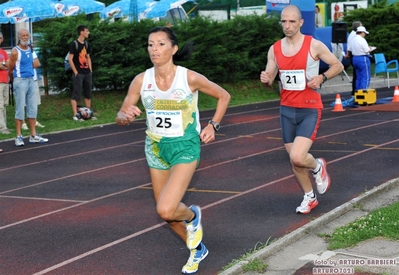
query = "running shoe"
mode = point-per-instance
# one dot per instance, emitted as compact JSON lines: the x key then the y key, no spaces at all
{"x":38,"y":124}
{"x":307,"y":205}
{"x":194,"y":229}
{"x":24,"y":126}
{"x":19,"y":141}
{"x":37,"y":139}
{"x":196,"y":256}
{"x":322,"y":178}
{"x":77,"y":118}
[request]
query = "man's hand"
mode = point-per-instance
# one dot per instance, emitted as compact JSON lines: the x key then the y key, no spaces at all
{"x":315,"y":82}
{"x":265,"y":77}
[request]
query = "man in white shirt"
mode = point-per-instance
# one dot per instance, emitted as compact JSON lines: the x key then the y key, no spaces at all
{"x":352,"y":35}
{"x":361,"y":58}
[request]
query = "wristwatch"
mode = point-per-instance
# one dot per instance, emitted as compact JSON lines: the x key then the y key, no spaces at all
{"x":324,"y":78}
{"x":215,"y":125}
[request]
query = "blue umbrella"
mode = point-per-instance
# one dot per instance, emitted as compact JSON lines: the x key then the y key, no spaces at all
{"x":122,"y":9}
{"x":161,"y":7}
{"x":139,"y":9}
{"x":22,"y":10}
{"x":74,"y":7}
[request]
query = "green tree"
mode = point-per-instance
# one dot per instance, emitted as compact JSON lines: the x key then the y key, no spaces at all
{"x":381,"y":21}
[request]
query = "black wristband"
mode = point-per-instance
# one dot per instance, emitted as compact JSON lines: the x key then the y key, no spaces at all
{"x":324,"y":78}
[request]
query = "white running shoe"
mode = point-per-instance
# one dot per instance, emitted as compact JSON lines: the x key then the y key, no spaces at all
{"x":76,"y":118}
{"x":37,"y":139}
{"x":194,"y":229}
{"x":196,"y":256}
{"x":322,"y":178}
{"x":19,"y":141}
{"x":38,"y":124}
{"x":307,"y":205}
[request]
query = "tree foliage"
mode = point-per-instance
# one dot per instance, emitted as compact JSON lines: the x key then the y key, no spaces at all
{"x":227,"y":51}
{"x":381,"y":22}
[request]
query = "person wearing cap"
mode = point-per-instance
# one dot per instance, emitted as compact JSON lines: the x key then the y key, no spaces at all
{"x":361,"y":58}
{"x":349,"y":54}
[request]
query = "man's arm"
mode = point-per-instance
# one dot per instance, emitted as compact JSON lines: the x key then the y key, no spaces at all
{"x":11,"y":64}
{"x":269,"y":74}
{"x":323,"y":53}
{"x":89,"y":62}
{"x":36,"y":61}
{"x":70,"y":60}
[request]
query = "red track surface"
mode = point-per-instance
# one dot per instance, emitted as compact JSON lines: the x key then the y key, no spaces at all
{"x":82,"y":204}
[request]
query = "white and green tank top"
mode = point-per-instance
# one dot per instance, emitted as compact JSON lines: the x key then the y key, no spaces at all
{"x":172,"y":115}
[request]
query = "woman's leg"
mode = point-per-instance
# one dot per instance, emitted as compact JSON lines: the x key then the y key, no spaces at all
{"x":169,"y":188}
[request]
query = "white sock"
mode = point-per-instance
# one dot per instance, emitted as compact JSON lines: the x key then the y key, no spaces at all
{"x":317,"y":169}
{"x":310,"y":194}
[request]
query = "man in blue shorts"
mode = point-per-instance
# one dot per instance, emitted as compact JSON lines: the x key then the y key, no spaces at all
{"x":21,"y":72}
{"x":296,"y":58}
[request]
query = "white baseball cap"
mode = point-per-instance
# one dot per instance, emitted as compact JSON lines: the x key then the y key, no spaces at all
{"x":362,"y":29}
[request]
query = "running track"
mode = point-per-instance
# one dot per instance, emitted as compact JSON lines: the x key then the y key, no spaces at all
{"x":83,"y":204}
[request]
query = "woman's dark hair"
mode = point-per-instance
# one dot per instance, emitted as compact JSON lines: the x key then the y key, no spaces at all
{"x":182,"y":54}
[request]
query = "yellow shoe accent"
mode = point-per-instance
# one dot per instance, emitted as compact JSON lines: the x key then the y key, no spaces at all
{"x":196,"y":256}
{"x":194,"y":229}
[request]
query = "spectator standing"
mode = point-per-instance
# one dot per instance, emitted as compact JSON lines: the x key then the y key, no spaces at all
{"x":21,"y":72}
{"x":80,"y":62}
{"x":169,"y":94}
{"x":39,"y":99}
{"x":4,"y":88}
{"x":317,"y":17}
{"x":349,"y":55}
{"x":361,"y":58}
{"x":296,"y":58}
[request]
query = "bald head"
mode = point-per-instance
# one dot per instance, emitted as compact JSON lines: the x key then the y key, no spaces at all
{"x":293,"y":9}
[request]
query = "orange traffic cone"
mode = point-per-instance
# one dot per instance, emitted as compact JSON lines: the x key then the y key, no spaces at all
{"x":338,"y":104}
{"x":396,"y":95}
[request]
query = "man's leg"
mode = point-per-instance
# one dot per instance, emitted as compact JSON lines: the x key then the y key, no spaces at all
{"x":76,"y":92}
{"x":353,"y":77}
{"x":74,"y":106}
{"x":31,"y":106}
{"x":299,"y":128}
{"x":3,"y":105}
{"x":31,"y":113}
{"x":20,"y":89}
{"x":302,"y":161}
{"x":87,"y":92}
{"x":88,"y":103}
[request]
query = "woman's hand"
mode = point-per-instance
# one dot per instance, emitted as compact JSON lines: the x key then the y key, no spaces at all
{"x":207,"y":134}
{"x":125,"y":117}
